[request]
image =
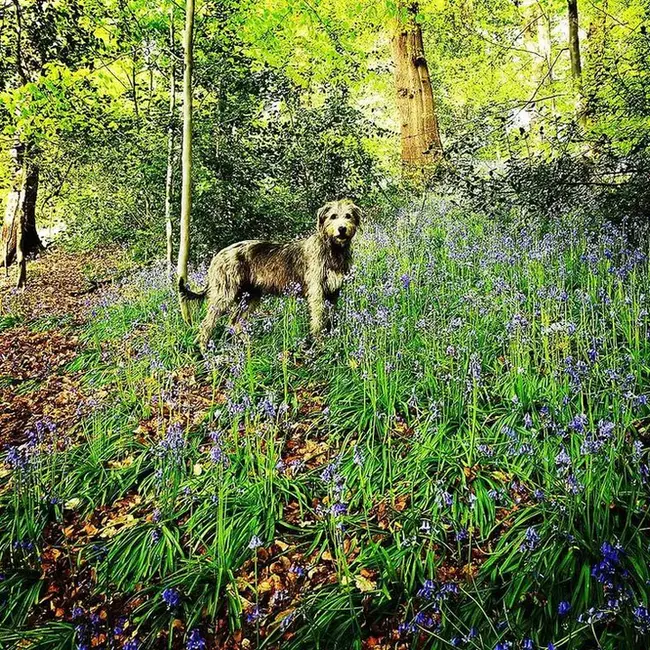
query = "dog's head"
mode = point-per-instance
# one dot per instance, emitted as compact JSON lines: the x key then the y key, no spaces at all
{"x":338,"y":221}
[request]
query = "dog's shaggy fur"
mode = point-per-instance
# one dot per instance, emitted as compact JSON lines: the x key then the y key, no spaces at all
{"x":241,"y":274}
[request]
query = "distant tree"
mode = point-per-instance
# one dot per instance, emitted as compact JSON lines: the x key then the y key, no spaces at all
{"x":420,"y":133}
{"x":574,"y":40}
{"x":19,"y":236}
{"x":186,"y":194}
{"x":38,"y":40}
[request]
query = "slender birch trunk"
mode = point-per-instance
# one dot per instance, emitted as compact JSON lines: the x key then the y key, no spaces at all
{"x":186,"y":193}
{"x":170,"y":146}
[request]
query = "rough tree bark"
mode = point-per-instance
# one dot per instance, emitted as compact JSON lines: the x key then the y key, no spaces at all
{"x":598,"y":45}
{"x":19,"y":237}
{"x":420,"y":134}
{"x":170,"y":145}
{"x":574,"y":41}
{"x":186,"y":192}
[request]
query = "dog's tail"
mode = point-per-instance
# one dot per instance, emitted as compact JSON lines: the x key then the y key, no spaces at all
{"x":187,"y":294}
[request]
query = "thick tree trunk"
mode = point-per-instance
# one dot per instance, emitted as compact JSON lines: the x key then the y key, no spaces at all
{"x":19,"y":237}
{"x":574,"y":41}
{"x":421,"y":144}
{"x":170,"y":145}
{"x":186,"y":193}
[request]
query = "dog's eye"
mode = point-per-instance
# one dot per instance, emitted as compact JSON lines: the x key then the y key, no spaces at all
{"x":332,"y":216}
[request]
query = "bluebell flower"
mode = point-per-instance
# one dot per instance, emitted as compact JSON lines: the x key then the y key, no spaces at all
{"x":171,"y":597}
{"x":254,"y":614}
{"x":641,"y":619}
{"x":461,"y":534}
{"x":406,"y":629}
{"x":287,"y":621}
{"x":531,"y":540}
{"x":195,"y":641}
{"x":563,"y":608}
{"x":255,"y":542}
{"x":563,"y":459}
{"x":427,"y":590}
{"x":297,"y":569}
{"x":423,"y":619}
{"x":267,"y":407}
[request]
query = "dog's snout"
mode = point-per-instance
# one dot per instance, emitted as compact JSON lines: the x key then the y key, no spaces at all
{"x":342,"y":230}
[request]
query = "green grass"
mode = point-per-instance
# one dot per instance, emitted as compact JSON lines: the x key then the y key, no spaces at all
{"x":472,"y":420}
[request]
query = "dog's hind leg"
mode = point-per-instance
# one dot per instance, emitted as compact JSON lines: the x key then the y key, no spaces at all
{"x":224,"y":288}
{"x":214,"y":313}
{"x":240,"y":315}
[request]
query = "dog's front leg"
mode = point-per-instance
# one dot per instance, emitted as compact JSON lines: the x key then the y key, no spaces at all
{"x":330,"y":305}
{"x":317,"y":314}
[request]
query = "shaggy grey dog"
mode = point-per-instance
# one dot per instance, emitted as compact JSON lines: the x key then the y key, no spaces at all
{"x":241,"y":274}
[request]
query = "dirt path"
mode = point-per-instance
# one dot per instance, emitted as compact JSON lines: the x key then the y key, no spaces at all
{"x":38,"y":339}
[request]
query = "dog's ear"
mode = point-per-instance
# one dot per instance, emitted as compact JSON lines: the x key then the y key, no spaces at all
{"x":322,"y":213}
{"x":357,"y":213}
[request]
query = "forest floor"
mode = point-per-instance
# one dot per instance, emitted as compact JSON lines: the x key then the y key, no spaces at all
{"x":39,"y":337}
{"x":40,"y":390}
{"x":462,"y":463}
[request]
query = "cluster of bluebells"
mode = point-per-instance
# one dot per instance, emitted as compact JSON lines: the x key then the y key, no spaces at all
{"x":434,"y":594}
{"x":22,"y":458}
{"x":172,"y":446}
{"x":335,"y":482}
{"x":515,"y":446}
{"x":594,"y":442}
{"x":610,"y":572}
{"x":577,"y":371}
{"x":217,"y":454}
{"x":91,"y":627}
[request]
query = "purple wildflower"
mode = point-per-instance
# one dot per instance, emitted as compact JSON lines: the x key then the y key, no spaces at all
{"x":195,"y":641}
{"x":171,"y":597}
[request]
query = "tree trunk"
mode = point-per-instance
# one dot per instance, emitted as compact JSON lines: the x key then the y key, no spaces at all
{"x":597,"y":36}
{"x":170,"y":145}
{"x":19,"y":237}
{"x":574,"y":41}
{"x":420,"y":134}
{"x":186,"y":193}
